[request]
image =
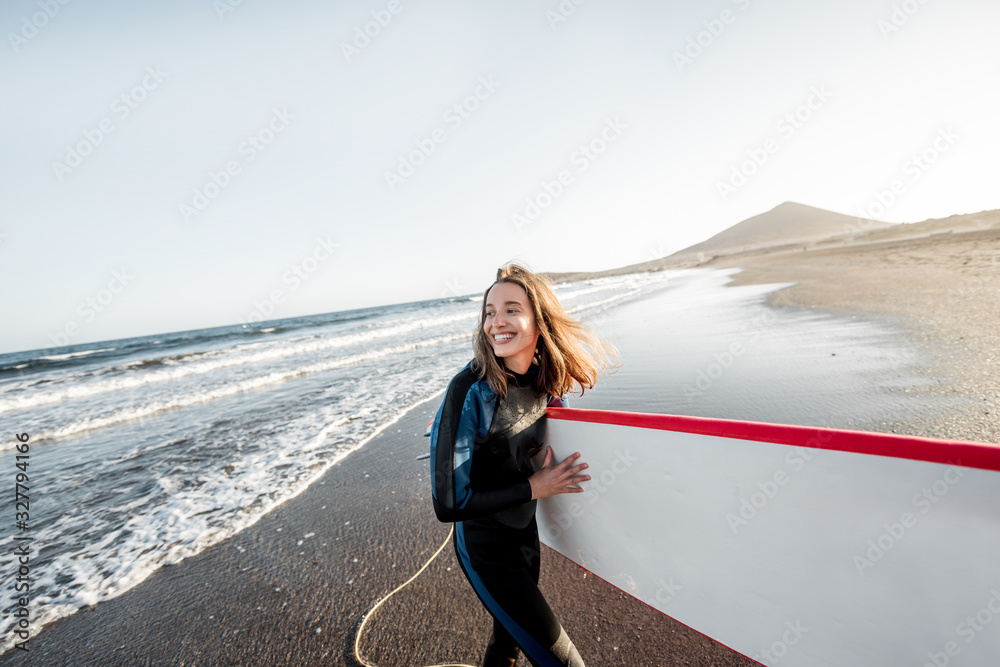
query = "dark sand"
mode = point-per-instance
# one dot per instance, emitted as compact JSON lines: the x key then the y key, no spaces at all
{"x":260,"y":598}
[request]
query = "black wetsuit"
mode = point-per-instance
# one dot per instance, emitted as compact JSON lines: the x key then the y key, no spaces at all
{"x":481,"y":451}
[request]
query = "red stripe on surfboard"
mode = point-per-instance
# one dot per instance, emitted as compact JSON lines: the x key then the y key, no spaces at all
{"x":955,"y":452}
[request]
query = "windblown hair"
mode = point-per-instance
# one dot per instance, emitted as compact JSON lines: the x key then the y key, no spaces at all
{"x":567,"y":353}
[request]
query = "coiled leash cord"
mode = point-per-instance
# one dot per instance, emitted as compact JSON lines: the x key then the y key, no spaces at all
{"x":357,"y":637}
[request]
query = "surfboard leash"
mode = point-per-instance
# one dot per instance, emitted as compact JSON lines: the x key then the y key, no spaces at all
{"x":364,"y":621}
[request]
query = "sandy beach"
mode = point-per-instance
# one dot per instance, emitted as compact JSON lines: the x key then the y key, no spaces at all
{"x":942,"y":291}
{"x":292,"y":589}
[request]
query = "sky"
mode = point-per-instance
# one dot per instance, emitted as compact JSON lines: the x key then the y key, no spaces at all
{"x":198,"y":163}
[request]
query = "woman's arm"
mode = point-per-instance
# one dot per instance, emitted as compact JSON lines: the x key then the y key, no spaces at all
{"x":453,"y":439}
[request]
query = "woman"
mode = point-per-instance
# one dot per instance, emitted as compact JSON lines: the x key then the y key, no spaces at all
{"x":527,"y":353}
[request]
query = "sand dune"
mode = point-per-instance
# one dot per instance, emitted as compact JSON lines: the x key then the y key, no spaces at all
{"x":785,"y":224}
{"x":792,"y":227}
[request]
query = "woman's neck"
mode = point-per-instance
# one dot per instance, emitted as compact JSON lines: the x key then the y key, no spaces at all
{"x":519,"y":366}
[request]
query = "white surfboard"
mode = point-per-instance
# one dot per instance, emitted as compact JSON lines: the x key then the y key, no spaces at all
{"x":795,"y":546}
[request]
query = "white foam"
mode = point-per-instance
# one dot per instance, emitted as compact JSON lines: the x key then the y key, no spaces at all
{"x":230,"y":389}
{"x":115,"y":558}
{"x":70,"y":355}
{"x":616,"y":299}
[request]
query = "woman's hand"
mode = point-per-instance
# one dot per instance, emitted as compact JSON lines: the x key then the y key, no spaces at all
{"x":550,"y":480}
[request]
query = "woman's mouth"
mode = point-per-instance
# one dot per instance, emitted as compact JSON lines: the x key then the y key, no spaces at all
{"x":502,"y":338}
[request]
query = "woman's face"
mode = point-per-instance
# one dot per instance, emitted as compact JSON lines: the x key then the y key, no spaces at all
{"x":510,"y":325}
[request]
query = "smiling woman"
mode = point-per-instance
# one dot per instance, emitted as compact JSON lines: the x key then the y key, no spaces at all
{"x":485,"y":442}
{"x":511,"y":325}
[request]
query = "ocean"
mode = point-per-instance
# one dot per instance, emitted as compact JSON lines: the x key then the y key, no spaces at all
{"x":145,"y":451}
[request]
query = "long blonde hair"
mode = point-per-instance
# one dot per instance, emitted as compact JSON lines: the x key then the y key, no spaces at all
{"x":567,"y":353}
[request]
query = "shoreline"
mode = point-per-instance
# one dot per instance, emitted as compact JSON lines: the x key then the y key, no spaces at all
{"x":897,"y":282}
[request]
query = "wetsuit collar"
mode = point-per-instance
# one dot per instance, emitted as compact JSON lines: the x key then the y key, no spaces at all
{"x":525,"y":379}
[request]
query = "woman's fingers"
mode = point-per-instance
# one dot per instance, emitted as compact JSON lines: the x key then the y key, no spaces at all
{"x":570,"y":475}
{"x":568,"y":461}
{"x":562,"y":477}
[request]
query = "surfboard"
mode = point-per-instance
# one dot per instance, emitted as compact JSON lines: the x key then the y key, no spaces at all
{"x":792,"y":545}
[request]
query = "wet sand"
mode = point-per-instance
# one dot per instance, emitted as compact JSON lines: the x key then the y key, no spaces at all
{"x":293,"y":588}
{"x":272,"y":596}
{"x":943,"y":292}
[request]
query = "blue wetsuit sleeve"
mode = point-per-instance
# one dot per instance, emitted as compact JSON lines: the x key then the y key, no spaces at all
{"x":459,"y":420}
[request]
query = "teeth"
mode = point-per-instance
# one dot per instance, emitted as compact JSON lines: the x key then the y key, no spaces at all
{"x":503,"y":336}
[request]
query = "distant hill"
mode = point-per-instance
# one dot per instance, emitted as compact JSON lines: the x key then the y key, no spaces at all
{"x":791,"y":226}
{"x":785,"y":224}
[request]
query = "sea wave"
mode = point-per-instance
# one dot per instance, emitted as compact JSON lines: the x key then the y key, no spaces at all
{"x":73,"y":389}
{"x":129,"y":414}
